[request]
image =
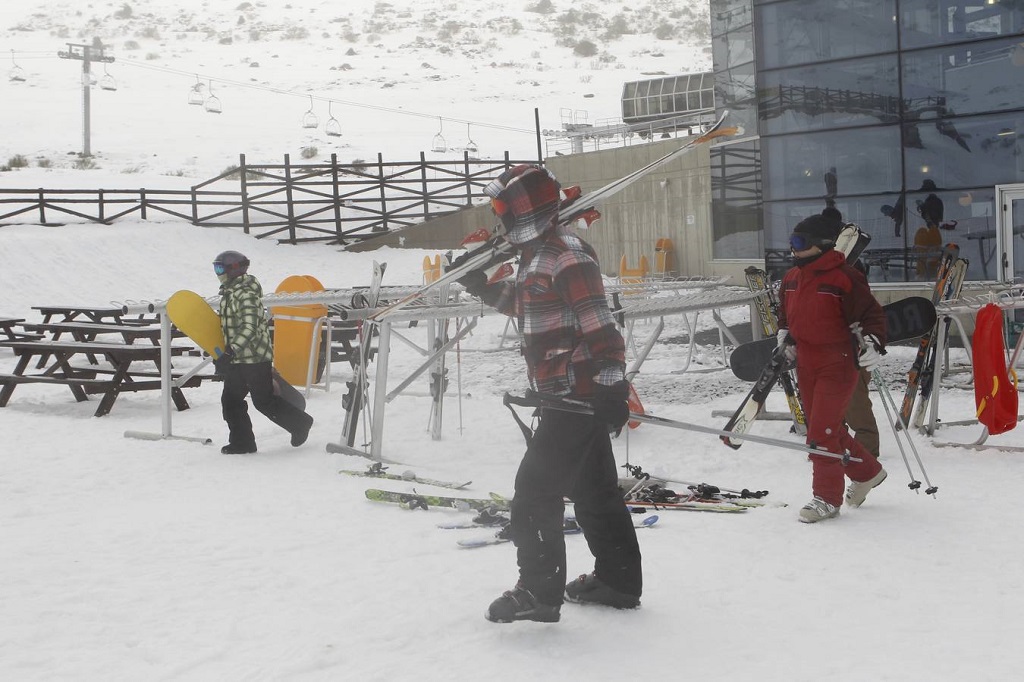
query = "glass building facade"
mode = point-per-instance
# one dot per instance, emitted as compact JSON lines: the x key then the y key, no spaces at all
{"x":902,"y":114}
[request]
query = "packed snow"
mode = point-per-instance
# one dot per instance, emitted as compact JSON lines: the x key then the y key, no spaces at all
{"x":127,"y":559}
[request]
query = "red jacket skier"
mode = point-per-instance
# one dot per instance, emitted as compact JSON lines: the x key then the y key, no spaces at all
{"x":573,"y":348}
{"x":819,"y":300}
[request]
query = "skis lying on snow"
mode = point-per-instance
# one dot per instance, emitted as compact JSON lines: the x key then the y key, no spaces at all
{"x":696,"y":492}
{"x":496,"y":250}
{"x":378,"y":470}
{"x":569,"y":527}
{"x":907,"y":319}
{"x":419,"y":501}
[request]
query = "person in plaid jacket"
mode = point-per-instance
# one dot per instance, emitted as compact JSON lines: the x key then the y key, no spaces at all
{"x":572,"y":348}
{"x":246,"y":361}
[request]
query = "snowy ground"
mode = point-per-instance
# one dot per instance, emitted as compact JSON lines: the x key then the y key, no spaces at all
{"x":132,"y":560}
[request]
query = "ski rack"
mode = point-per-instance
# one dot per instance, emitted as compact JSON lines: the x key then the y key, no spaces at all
{"x":696,"y":303}
{"x":1009,"y":299}
{"x":436,"y":314}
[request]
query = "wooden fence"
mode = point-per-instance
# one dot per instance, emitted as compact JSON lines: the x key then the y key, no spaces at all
{"x":326,"y":202}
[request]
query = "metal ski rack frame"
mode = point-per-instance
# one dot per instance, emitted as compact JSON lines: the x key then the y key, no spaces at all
{"x":1010,"y":299}
{"x":381,"y":395}
{"x":684,"y":304}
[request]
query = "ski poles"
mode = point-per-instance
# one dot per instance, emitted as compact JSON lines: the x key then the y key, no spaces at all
{"x":555,"y":402}
{"x":891,"y":412}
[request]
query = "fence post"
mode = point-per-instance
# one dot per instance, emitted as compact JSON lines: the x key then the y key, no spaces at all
{"x":99,"y":194}
{"x":383,"y":194}
{"x":142,"y":201}
{"x":337,"y":200}
{"x":423,"y":186}
{"x":195,"y":207}
{"x":288,"y":196}
{"x":243,"y":175}
{"x":469,"y":184}
{"x":42,"y":207}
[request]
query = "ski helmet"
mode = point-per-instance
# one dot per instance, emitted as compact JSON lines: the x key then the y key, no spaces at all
{"x":526,"y":198}
{"x":230,"y":264}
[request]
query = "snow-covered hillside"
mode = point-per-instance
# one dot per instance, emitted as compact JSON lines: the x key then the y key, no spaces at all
{"x":395,"y":77}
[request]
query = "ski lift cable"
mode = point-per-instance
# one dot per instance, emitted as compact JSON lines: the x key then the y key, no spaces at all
{"x":362,"y":105}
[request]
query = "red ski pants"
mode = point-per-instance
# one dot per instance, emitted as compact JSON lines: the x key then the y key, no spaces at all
{"x":827,"y":376}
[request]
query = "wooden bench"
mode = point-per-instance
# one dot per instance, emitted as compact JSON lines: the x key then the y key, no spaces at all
{"x":7,"y":330}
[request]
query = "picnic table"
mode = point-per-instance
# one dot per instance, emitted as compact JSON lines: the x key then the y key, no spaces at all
{"x":7,"y":329}
{"x":88,"y":331}
{"x":69,"y":313}
{"x":121,"y":376}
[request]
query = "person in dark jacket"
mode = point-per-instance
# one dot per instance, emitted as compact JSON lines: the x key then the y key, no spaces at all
{"x":820,"y":298}
{"x":572,"y":348}
{"x":246,"y":363}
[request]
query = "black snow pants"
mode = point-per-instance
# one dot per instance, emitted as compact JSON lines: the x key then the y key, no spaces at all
{"x":570,"y":455}
{"x":255,"y":380}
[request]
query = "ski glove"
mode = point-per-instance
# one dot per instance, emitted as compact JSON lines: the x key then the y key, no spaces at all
{"x":475,"y":281}
{"x":221,"y":363}
{"x":784,"y":341}
{"x":610,"y":405}
{"x":870,"y":356}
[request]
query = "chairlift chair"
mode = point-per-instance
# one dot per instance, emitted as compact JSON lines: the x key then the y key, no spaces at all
{"x":107,"y":82}
{"x":309,"y":119}
{"x":439,"y":145}
{"x":197,"y":96}
{"x":16,"y":74}
{"x":332,"y":127}
{"x":212,"y":103}
{"x":470,"y":144}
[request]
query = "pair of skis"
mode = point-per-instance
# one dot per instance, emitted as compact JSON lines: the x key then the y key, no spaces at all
{"x":921,"y":377}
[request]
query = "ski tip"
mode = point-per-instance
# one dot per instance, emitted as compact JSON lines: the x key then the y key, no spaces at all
{"x":649,"y":521}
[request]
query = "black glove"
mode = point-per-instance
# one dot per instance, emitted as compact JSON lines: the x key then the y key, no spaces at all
{"x":221,"y":363}
{"x":610,"y":406}
{"x":475,"y":281}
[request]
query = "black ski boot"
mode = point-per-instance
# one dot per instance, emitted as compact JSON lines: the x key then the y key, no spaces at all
{"x":231,"y":449}
{"x":588,"y":589}
{"x":520,"y":604}
{"x":491,"y":516}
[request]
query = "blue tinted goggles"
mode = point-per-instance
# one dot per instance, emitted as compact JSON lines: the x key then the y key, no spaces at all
{"x":799,"y":242}
{"x":218,"y":268}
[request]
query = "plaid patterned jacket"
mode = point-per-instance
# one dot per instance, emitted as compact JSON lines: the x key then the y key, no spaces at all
{"x":243,"y":320}
{"x":570,"y":340}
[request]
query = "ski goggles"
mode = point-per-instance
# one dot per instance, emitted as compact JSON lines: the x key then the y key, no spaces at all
{"x":218,"y":268}
{"x":802,"y":242}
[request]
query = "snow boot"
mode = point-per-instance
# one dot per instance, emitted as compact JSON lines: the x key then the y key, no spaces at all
{"x":231,"y":449}
{"x":818,"y":510}
{"x":520,"y":604}
{"x":300,"y":434}
{"x":588,"y":589}
{"x":859,"y":490}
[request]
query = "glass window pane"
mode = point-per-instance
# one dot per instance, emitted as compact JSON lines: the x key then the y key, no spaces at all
{"x":864,"y":161}
{"x":926,"y":22}
{"x":803,"y":31}
{"x":965,"y":79}
{"x":854,"y":92}
{"x":629,"y":91}
{"x":732,"y":49}
{"x":736,"y":201}
{"x":965,"y":152}
{"x":734,"y":90}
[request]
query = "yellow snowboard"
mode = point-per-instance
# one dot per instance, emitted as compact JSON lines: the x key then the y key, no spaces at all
{"x":295,"y":330}
{"x":197,"y":320}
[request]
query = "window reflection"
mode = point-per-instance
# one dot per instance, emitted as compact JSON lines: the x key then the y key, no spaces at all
{"x":965,"y":151}
{"x":927,"y":22}
{"x":803,"y":31}
{"x":854,"y":92}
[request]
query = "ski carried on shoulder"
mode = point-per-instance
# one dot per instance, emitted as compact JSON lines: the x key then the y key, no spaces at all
{"x":416,"y":500}
{"x":753,"y":403}
{"x":378,"y":470}
{"x":496,"y":249}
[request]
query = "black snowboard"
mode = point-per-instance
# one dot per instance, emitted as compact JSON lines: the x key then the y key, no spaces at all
{"x":907,"y":319}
